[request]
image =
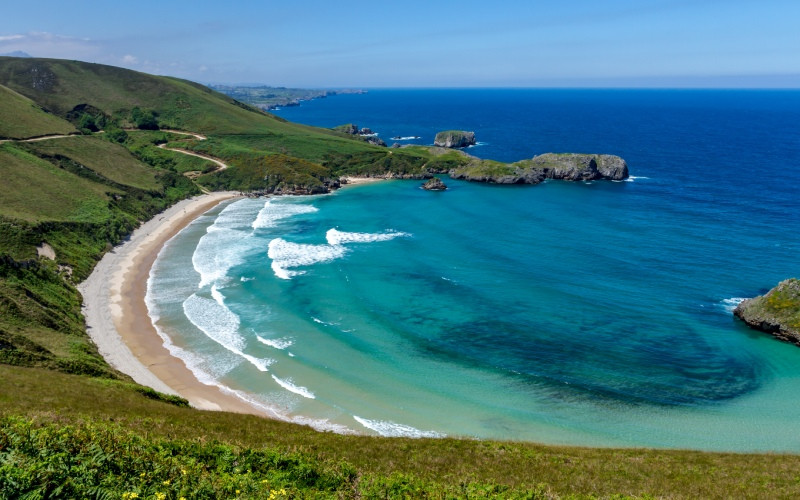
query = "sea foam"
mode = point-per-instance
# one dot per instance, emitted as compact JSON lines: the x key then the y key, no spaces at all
{"x":281,"y":343}
{"x":273,"y":213}
{"x":730,"y":304}
{"x":336,"y":237}
{"x":221,"y":247}
{"x":285,"y":255}
{"x":221,"y":325}
{"x":392,"y":429}
{"x":297,"y":389}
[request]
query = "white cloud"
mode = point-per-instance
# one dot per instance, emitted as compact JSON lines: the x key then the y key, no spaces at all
{"x":129,"y":59}
{"x":5,"y":38}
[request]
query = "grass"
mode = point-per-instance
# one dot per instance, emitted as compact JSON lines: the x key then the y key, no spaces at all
{"x":29,"y":120}
{"x":62,"y":403}
{"x":35,"y":190}
{"x":110,"y":161}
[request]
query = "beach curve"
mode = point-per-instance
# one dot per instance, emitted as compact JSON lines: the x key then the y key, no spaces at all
{"x":118,"y":321}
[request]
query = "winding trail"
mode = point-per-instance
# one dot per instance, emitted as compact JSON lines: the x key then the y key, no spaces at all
{"x":37,"y":139}
{"x":220,"y":164}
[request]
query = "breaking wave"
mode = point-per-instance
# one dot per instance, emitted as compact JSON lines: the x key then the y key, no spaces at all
{"x":221,"y":325}
{"x":336,"y":237}
{"x":392,"y":429}
{"x":273,"y":213}
{"x":286,"y":255}
{"x":297,"y":389}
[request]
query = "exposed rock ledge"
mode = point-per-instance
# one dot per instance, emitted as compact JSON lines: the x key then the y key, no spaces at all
{"x":566,"y":166}
{"x":776,"y":313}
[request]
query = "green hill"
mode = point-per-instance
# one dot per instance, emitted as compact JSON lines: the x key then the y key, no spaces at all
{"x":22,"y":118}
{"x":73,"y":427}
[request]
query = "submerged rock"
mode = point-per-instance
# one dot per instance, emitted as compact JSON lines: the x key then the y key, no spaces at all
{"x":434,"y":184}
{"x":776,"y":313}
{"x":454,"y":139}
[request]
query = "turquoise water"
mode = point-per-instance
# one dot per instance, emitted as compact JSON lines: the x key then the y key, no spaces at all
{"x":579,"y":313}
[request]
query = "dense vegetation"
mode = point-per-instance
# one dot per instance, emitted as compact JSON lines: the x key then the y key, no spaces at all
{"x":73,"y":427}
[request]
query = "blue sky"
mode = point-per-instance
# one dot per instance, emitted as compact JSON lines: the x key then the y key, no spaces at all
{"x":410,"y":43}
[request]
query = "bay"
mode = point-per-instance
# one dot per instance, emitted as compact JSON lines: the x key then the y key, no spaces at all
{"x":578,"y":313}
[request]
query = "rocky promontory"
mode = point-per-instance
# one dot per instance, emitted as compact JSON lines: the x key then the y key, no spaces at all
{"x":776,"y":313}
{"x":563,"y":166}
{"x":454,"y":139}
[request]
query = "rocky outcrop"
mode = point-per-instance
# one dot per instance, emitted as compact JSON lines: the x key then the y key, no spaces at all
{"x":365,"y":133}
{"x":434,"y":184}
{"x":373,"y":139}
{"x":776,"y":313}
{"x":565,"y":166}
{"x":454,"y":139}
{"x":347,"y":128}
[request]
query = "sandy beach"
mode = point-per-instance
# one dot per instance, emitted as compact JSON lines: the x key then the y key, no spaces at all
{"x":118,"y":321}
{"x":353,"y":181}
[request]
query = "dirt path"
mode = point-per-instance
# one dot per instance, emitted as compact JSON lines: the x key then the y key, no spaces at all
{"x":37,"y":139}
{"x":222,"y":166}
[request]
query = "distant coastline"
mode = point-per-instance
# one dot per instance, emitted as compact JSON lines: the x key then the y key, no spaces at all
{"x":269,"y":98}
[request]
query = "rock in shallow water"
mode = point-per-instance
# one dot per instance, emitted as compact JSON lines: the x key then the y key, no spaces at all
{"x":776,"y":313}
{"x":434,"y":184}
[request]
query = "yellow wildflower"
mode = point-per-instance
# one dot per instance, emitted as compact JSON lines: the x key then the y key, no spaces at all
{"x":166,"y":483}
{"x":160,"y":496}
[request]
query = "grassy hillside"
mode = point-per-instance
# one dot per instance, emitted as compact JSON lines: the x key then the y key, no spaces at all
{"x":22,"y":118}
{"x":225,"y":452}
{"x":108,"y":160}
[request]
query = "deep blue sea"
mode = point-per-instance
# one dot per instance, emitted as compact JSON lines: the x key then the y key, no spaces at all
{"x":591,"y":313}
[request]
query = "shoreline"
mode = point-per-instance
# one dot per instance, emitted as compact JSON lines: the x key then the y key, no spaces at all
{"x":355,"y":181}
{"x":118,"y":322}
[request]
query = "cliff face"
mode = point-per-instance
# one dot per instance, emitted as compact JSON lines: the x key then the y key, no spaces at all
{"x":454,"y":139}
{"x":569,"y":166}
{"x":776,"y":313}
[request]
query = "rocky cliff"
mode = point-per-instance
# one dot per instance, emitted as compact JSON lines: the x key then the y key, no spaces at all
{"x":776,"y":313}
{"x":566,"y":166}
{"x":454,"y":139}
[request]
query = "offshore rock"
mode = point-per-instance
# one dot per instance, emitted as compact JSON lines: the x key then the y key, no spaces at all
{"x":776,"y":313}
{"x":434,"y":184}
{"x":454,"y":139}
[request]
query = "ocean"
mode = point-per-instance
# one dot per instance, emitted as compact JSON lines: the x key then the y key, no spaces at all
{"x":591,"y":313}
